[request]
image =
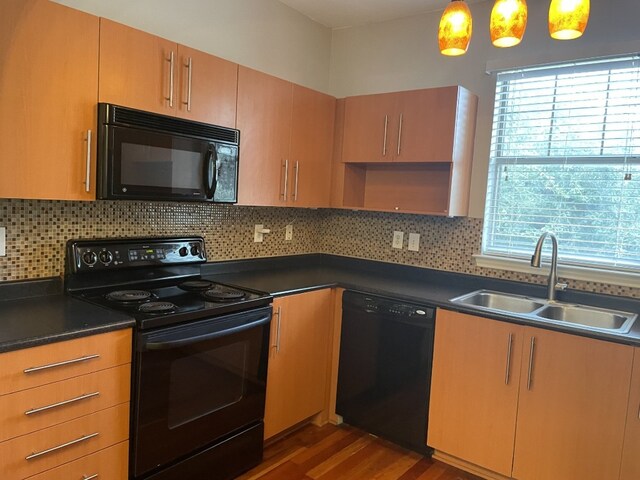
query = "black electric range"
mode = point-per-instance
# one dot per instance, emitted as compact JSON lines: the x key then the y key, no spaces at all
{"x":200,"y":355}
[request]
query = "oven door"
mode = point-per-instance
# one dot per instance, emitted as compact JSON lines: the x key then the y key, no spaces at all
{"x":197,"y":384}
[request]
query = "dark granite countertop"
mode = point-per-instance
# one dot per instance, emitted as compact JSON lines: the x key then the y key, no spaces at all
{"x":37,"y":312}
{"x":295,"y":274}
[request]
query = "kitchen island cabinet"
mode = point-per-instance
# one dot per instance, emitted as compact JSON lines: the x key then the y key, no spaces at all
{"x":48,"y":88}
{"x":298,"y":360}
{"x":571,"y":406}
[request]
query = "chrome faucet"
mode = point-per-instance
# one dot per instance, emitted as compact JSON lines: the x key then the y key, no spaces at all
{"x":553,"y":283}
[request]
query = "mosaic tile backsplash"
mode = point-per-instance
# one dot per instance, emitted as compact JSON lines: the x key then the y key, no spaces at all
{"x":37,"y":231}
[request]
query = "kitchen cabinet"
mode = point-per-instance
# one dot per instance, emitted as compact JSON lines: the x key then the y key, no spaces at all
{"x":299,"y":359}
{"x":286,"y":138}
{"x":420,"y":165}
{"x":150,"y":73}
{"x":474,"y":389}
{"x":630,"y":469}
{"x":571,"y":406}
{"x":64,"y":408}
{"x":48,"y":88}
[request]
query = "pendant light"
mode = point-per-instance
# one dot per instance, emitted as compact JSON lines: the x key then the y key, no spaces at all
{"x":568,"y":18}
{"x":454,"y":33}
{"x":508,"y":22}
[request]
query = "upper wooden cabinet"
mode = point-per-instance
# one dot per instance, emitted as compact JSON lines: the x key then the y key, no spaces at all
{"x":429,"y":125}
{"x":571,"y":406}
{"x":143,"y":71}
{"x":286,"y":141}
{"x":48,"y":86}
{"x":630,"y":459}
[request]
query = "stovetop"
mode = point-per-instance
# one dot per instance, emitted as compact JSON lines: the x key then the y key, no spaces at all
{"x":157,"y":281}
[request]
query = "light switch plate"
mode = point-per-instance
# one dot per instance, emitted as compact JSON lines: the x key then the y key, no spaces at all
{"x":398,"y":239}
{"x":258,"y":236}
{"x":288,"y":233}
{"x":3,"y":242}
{"x":414,"y":242}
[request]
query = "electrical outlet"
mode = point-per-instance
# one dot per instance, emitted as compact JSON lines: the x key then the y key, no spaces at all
{"x":414,"y":242}
{"x":288,"y":233}
{"x":398,"y":239}
{"x":3,"y":242}
{"x":258,"y":236}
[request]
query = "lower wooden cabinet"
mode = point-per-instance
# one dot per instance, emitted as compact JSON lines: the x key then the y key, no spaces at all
{"x":552,"y":403}
{"x":630,"y":469}
{"x":298,"y":360}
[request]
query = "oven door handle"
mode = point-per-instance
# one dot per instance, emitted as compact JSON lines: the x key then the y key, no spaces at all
{"x":181,"y":339}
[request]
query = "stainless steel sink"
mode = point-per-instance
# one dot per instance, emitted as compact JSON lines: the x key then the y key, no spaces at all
{"x":499,"y":301}
{"x":537,"y":309}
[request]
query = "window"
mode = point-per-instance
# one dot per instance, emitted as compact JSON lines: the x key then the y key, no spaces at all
{"x":565,"y":157}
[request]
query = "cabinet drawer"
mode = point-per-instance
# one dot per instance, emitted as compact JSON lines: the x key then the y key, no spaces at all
{"x":37,"y":366}
{"x":41,"y":407}
{"x":108,"y":464}
{"x":39,"y":451}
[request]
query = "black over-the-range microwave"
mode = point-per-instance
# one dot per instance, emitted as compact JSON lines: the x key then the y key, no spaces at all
{"x":146,"y":156}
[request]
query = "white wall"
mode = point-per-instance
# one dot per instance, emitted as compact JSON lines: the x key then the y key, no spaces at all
{"x":403,"y":54}
{"x":262,"y":34}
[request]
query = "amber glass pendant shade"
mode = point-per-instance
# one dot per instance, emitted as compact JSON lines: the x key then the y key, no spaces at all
{"x":508,"y":22}
{"x":568,"y":18}
{"x":454,"y":33}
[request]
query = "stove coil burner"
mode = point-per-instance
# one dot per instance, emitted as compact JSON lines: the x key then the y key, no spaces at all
{"x":127,"y":297}
{"x":157,"y":308}
{"x":196,"y":285}
{"x":220,"y":294}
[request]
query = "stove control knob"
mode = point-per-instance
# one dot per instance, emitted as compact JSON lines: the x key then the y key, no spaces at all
{"x":184,"y":251}
{"x":106,"y":257}
{"x":89,"y":258}
{"x":195,"y":250}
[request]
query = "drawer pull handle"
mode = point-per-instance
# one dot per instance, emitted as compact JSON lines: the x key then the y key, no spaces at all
{"x":61,"y":364}
{"x":90,"y":477}
{"x":59,"y":447}
{"x":61,"y":404}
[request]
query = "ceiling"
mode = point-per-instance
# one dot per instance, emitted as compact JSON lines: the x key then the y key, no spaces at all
{"x":349,"y":13}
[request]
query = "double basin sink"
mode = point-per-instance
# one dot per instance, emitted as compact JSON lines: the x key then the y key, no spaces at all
{"x":559,"y":313}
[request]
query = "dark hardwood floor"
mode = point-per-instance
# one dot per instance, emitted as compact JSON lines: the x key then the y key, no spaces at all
{"x":337,"y":453}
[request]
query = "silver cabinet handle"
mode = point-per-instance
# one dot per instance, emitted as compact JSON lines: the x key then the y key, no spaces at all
{"x":384,"y":141}
{"x":189,"y":66}
{"x":531,"y":352}
{"x":399,"y":134}
{"x":61,"y":364}
{"x":507,"y":376}
{"x":279,"y":314}
{"x":61,"y":404}
{"x":286,"y":180}
{"x":295,"y":188}
{"x":90,"y":477}
{"x":171,"y":61}
{"x":84,"y":438}
{"x":87,"y":178}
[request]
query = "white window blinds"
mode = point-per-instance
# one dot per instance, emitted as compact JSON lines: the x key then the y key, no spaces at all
{"x":565,"y":157}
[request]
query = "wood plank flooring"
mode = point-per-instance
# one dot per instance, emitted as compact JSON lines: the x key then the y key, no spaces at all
{"x":343,"y":452}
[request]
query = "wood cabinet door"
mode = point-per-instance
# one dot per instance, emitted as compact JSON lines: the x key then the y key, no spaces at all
{"x":631,"y":452}
{"x":264,"y":121}
{"x":207,"y":87}
{"x":311,"y":147}
{"x":574,"y":393}
{"x":298,"y":362}
{"x":48,"y":87}
{"x":135,"y":69}
{"x":426,"y":125}
{"x":474,"y":389}
{"x":370,"y":128}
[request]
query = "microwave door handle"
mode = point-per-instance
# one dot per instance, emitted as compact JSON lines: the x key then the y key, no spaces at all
{"x":210,"y":172}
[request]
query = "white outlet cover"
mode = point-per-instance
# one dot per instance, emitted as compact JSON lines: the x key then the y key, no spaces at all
{"x":288,"y":234}
{"x":398,"y":239}
{"x":3,"y":242}
{"x":414,"y":242}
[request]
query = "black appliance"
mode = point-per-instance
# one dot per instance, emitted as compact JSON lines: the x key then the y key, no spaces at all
{"x":200,"y":355}
{"x":384,"y":375}
{"x":146,"y":156}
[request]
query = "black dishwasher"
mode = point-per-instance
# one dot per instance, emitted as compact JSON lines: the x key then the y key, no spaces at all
{"x":384,"y":375}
